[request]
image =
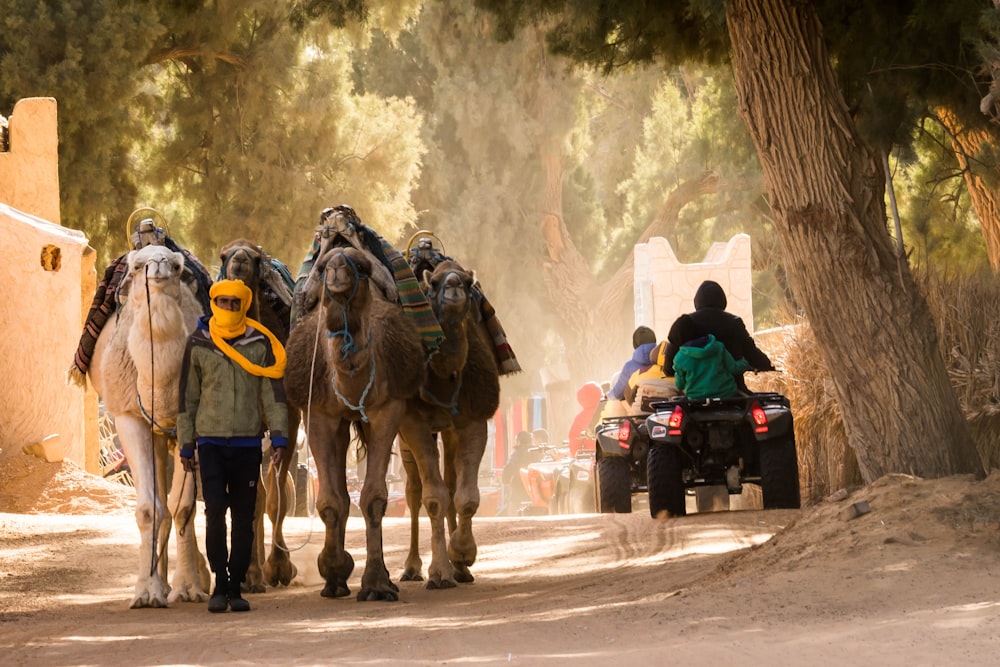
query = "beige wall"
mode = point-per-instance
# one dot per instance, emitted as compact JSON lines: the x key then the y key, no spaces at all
{"x":29,"y":172}
{"x":44,"y":302}
{"x":664,"y":288}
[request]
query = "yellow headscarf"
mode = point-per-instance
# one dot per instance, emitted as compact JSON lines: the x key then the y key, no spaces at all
{"x":230,"y":324}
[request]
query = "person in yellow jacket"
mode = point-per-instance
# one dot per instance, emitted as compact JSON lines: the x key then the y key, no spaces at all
{"x":652,"y":378}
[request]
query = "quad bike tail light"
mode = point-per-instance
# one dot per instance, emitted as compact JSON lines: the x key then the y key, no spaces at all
{"x":759,"y":418}
{"x":675,"y":421}
{"x":625,"y":434}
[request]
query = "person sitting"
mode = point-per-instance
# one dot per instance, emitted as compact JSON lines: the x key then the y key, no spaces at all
{"x":581,"y":431}
{"x":643,"y":342}
{"x":651,"y":380}
{"x":704,"y":368}
{"x":710,"y":317}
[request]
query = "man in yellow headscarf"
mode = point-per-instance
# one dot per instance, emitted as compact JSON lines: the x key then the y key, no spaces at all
{"x":231,"y":393}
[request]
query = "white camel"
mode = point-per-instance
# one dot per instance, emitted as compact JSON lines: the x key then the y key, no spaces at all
{"x":136,"y":369}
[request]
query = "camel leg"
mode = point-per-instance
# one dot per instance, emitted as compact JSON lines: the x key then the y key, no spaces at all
{"x":191,"y":576}
{"x":328,"y":441}
{"x":150,"y":587}
{"x":423,"y":445}
{"x":382,"y":429}
{"x":413,"y":567}
{"x":449,"y":448}
{"x":279,"y":569}
{"x":465,"y":449}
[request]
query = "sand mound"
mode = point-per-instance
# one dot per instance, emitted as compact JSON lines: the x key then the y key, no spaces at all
{"x":29,"y":485}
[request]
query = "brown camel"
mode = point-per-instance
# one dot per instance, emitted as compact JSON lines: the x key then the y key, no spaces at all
{"x":460,"y":396}
{"x":244,"y":260}
{"x":136,"y":370}
{"x":355,"y":359}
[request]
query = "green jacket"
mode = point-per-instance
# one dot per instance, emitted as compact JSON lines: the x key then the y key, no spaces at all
{"x":703,"y":368}
{"x":218,"y":399}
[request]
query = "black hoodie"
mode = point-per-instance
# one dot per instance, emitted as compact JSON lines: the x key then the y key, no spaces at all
{"x":710,"y":317}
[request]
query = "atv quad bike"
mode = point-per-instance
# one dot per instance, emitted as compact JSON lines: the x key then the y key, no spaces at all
{"x":721,"y":442}
{"x":620,"y":462}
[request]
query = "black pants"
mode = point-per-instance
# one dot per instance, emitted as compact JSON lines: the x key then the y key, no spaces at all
{"x":229,"y":482}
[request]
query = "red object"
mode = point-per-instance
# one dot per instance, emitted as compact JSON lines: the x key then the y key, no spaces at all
{"x":759,"y":417}
{"x":675,"y":421}
{"x":588,"y":396}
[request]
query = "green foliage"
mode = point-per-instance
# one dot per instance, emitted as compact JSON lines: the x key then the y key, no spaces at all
{"x":613,"y":34}
{"x":940,"y":230}
{"x":222,"y":115}
{"x":247,"y":118}
{"x":260,"y":151}
{"x":87,"y":54}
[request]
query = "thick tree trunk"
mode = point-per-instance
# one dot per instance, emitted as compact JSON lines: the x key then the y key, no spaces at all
{"x":872,"y":325}
{"x":573,"y":291}
{"x":967,"y":143}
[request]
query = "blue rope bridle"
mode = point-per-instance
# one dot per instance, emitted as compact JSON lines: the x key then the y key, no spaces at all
{"x":348,"y":347}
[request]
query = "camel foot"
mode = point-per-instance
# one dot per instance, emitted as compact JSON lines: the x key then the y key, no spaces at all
{"x":190,"y":593}
{"x":150,"y":594}
{"x":256,"y":587}
{"x":462,"y":574}
{"x":411,"y":574}
{"x":437,"y":583}
{"x":335,"y":590}
{"x":254,"y":583}
{"x":147,"y":601}
{"x":375,"y":595}
{"x":279,"y":572}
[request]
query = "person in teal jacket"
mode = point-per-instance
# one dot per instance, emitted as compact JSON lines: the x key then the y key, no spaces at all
{"x":704,"y":368}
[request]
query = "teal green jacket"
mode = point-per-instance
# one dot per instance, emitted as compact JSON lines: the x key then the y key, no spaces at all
{"x":220,"y":401}
{"x":703,"y":368}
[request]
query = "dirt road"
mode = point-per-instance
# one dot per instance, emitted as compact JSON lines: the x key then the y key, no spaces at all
{"x":581,"y":590}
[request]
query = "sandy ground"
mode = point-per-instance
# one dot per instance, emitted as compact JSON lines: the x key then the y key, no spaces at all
{"x":912,"y":582}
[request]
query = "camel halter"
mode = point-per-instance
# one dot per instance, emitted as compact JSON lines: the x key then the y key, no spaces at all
{"x":348,"y":347}
{"x":449,"y":327}
{"x":154,"y":430}
{"x":256,"y":275}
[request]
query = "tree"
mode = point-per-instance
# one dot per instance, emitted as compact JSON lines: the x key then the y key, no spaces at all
{"x":88,"y":55}
{"x":925,"y":63}
{"x":826,"y":190}
{"x":559,"y":197}
{"x":226,"y":116}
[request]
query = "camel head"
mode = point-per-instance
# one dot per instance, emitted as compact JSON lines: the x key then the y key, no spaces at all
{"x":156,"y":268}
{"x":345,"y":273}
{"x":243,"y":260}
{"x":449,"y":289}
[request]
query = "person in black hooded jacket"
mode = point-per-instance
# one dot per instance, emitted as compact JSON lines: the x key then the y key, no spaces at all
{"x":710,"y":317}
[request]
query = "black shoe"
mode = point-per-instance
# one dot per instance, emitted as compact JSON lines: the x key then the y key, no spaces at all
{"x":236,"y":601}
{"x":218,"y":602}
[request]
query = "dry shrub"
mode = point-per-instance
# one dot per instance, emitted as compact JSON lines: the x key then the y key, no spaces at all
{"x":966,"y":310}
{"x":826,"y":462}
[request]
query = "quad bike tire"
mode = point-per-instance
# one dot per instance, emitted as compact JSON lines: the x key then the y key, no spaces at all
{"x":613,"y":485}
{"x":779,"y":475}
{"x":666,"y":488}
